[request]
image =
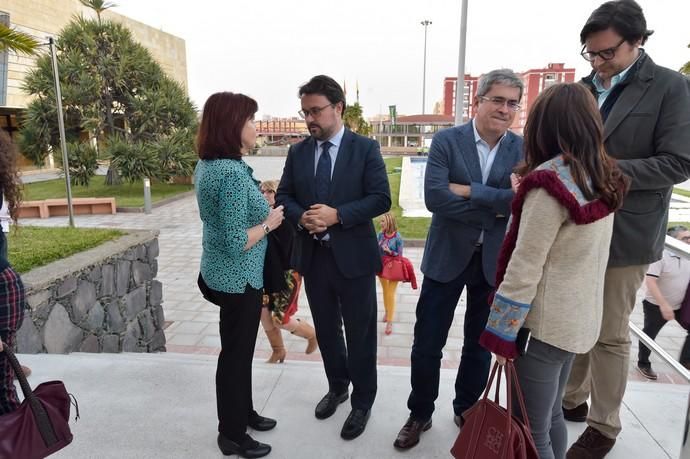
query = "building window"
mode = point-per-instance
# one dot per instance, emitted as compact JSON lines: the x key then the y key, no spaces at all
{"x":549,"y":79}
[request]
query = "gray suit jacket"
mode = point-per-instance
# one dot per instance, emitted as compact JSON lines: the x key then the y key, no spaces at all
{"x":648,"y":131}
{"x":457,"y":222}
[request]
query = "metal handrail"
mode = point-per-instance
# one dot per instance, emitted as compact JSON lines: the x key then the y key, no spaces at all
{"x":651,"y":344}
{"x":683,"y":250}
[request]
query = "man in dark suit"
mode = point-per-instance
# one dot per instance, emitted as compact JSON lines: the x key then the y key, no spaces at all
{"x":646,"y":113}
{"x":333,"y":185}
{"x":467,"y":187}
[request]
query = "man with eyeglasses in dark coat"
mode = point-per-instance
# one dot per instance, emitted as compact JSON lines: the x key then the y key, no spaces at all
{"x":467,"y":187}
{"x":646,"y":113}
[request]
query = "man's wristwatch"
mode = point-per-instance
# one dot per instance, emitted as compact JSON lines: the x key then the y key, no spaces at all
{"x":266,"y":228}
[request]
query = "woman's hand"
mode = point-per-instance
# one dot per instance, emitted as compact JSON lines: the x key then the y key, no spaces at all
{"x":386,"y":249}
{"x":275,"y":218}
{"x":515,"y":182}
{"x":501,"y":360}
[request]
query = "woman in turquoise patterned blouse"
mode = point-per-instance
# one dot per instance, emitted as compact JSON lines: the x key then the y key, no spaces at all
{"x":236,"y":219}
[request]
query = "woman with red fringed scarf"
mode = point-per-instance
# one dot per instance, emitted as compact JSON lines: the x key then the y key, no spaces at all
{"x":550,"y":274}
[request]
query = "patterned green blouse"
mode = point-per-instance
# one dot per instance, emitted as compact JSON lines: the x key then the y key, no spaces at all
{"x":230,"y":203}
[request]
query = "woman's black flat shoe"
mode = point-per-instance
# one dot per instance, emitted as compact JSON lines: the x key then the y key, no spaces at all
{"x":249,"y":448}
{"x":261,"y":423}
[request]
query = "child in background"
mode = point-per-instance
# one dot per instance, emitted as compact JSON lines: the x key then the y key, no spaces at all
{"x":390,"y":245}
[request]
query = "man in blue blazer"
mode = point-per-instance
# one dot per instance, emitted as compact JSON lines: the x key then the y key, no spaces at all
{"x":467,"y":187}
{"x":334,"y":183}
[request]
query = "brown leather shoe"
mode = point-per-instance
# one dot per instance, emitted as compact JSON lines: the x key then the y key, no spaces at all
{"x":410,"y":432}
{"x":577,"y":414}
{"x":592,"y":444}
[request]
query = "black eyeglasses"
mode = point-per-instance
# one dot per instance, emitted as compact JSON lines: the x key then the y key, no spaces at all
{"x":606,"y":54}
{"x":314,"y":112}
{"x":500,"y":102}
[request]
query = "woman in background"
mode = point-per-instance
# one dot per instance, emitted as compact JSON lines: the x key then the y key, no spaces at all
{"x":390,"y":246}
{"x":281,"y":287}
{"x":12,"y":294}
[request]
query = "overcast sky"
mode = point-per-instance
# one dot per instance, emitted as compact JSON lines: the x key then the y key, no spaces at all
{"x":266,"y":49}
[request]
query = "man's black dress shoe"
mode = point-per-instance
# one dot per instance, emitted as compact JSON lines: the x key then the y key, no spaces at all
{"x":261,"y":423}
{"x":328,"y":404}
{"x":577,"y":414}
{"x":248,"y":448}
{"x":355,"y":424}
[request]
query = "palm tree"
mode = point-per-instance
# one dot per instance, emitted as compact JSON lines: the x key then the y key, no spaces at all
{"x":686,"y":68}
{"x":98,"y":6}
{"x":19,"y":42}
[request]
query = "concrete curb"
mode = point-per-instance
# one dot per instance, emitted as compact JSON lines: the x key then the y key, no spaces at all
{"x":140,"y":210}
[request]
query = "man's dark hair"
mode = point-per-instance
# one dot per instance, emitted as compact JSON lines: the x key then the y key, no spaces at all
{"x":325,"y":86}
{"x":625,"y":17}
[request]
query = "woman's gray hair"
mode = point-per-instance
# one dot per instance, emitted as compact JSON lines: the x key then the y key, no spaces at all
{"x":674,"y":231}
{"x":505,"y":77}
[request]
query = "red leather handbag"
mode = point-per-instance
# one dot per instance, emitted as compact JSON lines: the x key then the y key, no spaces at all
{"x":393,"y":269}
{"x":491,"y":431}
{"x":39,"y":427}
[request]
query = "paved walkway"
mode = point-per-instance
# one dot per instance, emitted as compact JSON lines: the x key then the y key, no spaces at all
{"x":193,"y":322}
{"x":145,"y":406}
{"x":165,"y":403}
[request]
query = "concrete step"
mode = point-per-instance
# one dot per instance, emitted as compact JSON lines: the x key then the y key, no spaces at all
{"x":163,"y":406}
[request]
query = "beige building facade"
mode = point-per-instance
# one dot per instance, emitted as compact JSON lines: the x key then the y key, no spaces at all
{"x":46,"y":18}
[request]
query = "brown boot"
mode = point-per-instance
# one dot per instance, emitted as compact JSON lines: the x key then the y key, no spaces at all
{"x":276,"y":339}
{"x":306,"y":331}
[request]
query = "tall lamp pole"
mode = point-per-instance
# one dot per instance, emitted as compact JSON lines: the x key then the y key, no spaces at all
{"x":460,"y":87}
{"x":426,"y":23}
{"x":61,"y":128}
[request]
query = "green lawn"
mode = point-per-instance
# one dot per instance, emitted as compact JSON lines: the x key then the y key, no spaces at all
{"x":409,"y":228}
{"x":34,"y":246}
{"x":417,"y":228}
{"x":682,"y":192}
{"x":126,"y":195}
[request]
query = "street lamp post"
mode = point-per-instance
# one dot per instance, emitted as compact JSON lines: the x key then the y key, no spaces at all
{"x":426,"y":23}
{"x":460,"y":84}
{"x":61,"y":129}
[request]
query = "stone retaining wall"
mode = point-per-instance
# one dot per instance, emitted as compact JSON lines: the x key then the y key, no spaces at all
{"x":102,"y":300}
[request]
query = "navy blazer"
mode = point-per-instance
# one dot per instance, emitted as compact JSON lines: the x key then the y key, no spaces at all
{"x":359,"y":191}
{"x":457,"y":222}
